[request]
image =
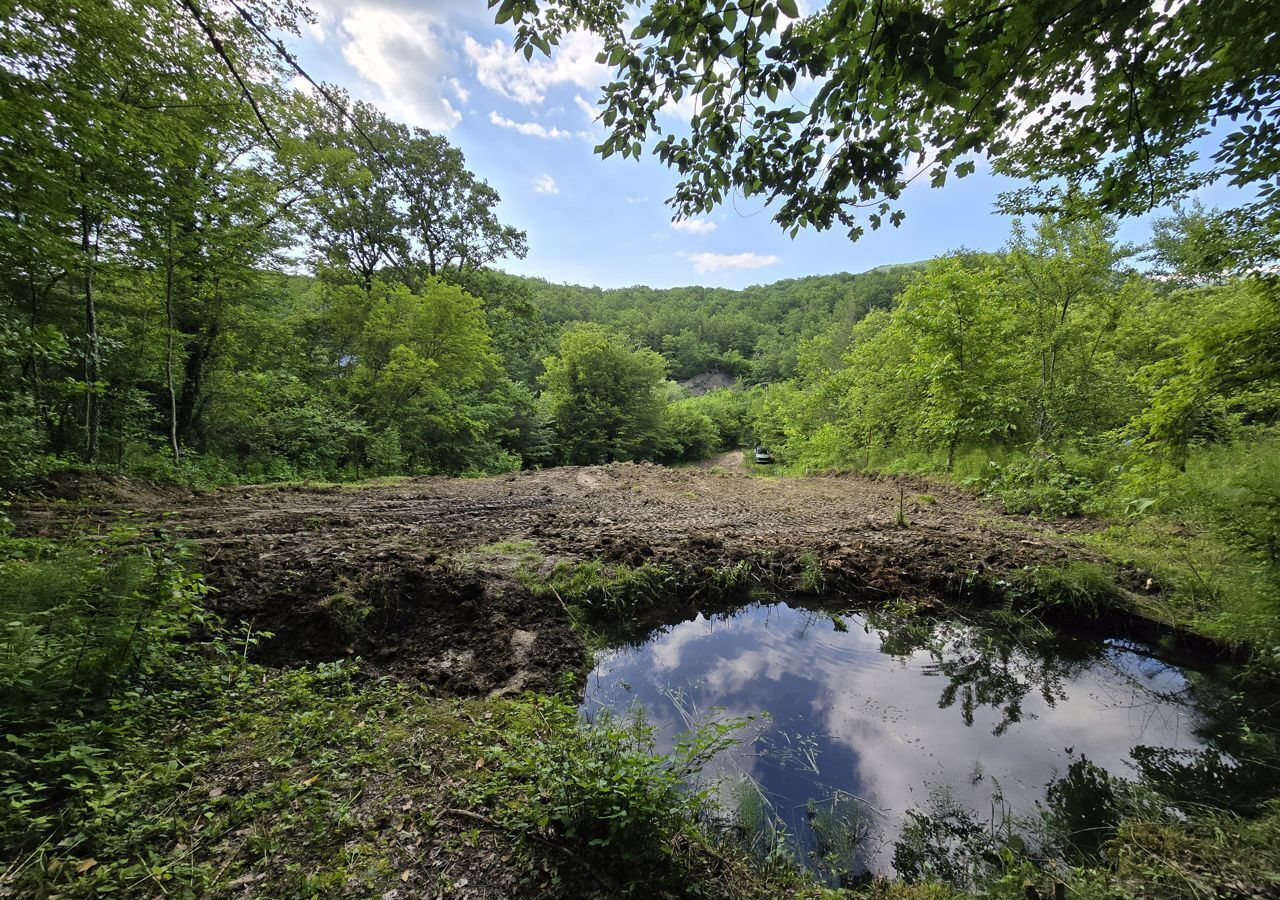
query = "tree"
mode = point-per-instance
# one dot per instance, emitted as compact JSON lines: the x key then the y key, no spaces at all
{"x":1069,"y":293}
{"x":357,"y":224}
{"x":103,"y":107}
{"x":450,"y":213}
{"x":418,"y":365}
{"x":603,"y":398}
{"x":960,"y":357}
{"x":1214,"y":365}
{"x":689,"y":434}
{"x":1106,"y":95}
{"x":387,"y":197}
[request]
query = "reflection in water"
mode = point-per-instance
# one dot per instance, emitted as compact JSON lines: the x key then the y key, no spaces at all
{"x":861,"y":726}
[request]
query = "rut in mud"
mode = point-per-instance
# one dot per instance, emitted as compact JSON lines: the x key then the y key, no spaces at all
{"x":374,"y":571}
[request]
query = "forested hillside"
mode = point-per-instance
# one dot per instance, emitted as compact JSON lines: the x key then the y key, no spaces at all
{"x":751,"y":334}
{"x":199,"y":289}
{"x":398,"y":351}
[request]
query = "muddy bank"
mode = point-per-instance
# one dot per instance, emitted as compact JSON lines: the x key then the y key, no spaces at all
{"x":390,"y":573}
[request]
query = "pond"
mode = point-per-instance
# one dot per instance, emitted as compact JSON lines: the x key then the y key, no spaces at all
{"x":861,"y":719}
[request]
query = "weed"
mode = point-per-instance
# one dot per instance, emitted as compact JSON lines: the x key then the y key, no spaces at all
{"x":524,"y":556}
{"x":80,"y":624}
{"x":348,"y":611}
{"x":599,"y":788}
{"x":1080,"y":589}
{"x":613,"y":591}
{"x":727,"y":579}
{"x":812,"y":579}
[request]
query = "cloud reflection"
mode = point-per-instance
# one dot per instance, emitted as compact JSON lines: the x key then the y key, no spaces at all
{"x":961,"y":710}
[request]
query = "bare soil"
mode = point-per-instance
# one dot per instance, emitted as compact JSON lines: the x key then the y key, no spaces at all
{"x":384,"y":571}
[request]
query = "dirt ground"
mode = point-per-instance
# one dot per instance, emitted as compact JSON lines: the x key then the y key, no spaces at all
{"x":376,"y":571}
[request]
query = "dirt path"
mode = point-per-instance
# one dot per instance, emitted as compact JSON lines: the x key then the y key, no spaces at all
{"x":374,"y":570}
{"x":732,"y":461}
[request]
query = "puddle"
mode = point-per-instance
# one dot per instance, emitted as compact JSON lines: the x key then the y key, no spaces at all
{"x":865,"y":724}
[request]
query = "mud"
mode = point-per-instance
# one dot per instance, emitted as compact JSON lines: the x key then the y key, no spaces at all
{"x":375,"y":571}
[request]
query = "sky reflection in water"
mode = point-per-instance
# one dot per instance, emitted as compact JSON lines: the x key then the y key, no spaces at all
{"x":845,"y":715}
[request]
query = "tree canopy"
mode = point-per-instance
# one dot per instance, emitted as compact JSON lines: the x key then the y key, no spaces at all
{"x":603,"y":397}
{"x":830,"y":115}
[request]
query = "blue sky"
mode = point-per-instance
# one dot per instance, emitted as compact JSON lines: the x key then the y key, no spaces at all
{"x":526,"y":128}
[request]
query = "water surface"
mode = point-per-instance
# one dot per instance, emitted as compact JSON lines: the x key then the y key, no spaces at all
{"x":890,"y":713}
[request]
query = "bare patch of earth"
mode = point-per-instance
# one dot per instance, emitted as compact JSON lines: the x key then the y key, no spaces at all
{"x":375,"y":571}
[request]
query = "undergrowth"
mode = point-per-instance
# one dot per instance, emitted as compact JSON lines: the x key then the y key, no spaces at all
{"x":145,"y":754}
{"x":1208,"y":533}
{"x":1077,"y":590}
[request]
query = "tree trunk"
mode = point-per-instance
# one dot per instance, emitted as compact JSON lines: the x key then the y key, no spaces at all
{"x":92,"y":414}
{"x":199,"y":349}
{"x":168,"y":350}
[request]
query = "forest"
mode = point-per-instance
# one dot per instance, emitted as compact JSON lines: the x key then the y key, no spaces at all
{"x":223,"y":282}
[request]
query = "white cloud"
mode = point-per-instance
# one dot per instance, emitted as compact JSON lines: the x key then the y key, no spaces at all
{"x":718,"y":262}
{"x":500,"y":68}
{"x":400,"y":53}
{"x":532,"y":129}
{"x":588,"y":110}
{"x":644,"y":199}
{"x":545,"y":184}
{"x":683,"y":109}
{"x":459,"y":90}
{"x":694,"y":226}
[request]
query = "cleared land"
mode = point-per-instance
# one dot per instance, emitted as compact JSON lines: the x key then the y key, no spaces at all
{"x":421,"y":576}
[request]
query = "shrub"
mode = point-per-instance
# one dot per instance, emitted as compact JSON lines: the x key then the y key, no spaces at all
{"x":1040,"y":483}
{"x":688,"y":433}
{"x":1246,"y":502}
{"x":78,"y":625}
{"x":600,"y":788}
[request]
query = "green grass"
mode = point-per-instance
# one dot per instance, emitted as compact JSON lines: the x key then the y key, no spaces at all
{"x":1074,"y":589}
{"x":181,"y":768}
{"x":605,"y":591}
{"x":521,"y":556}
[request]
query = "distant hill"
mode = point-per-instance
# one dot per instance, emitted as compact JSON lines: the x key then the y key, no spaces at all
{"x":752,"y":333}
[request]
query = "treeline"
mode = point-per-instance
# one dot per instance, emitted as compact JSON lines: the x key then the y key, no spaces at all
{"x":206,"y":274}
{"x":157,"y":175}
{"x":750,"y":334}
{"x":1071,"y":374}
{"x":1059,"y":343}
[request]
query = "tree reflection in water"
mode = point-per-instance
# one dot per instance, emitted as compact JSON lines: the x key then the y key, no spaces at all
{"x":1237,"y":769}
{"x":985,"y":668}
{"x":860,"y":719}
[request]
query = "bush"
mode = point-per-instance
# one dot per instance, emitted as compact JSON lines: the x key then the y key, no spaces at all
{"x":728,"y":409}
{"x":78,"y":625}
{"x":688,"y":433}
{"x":600,"y":788}
{"x":1243,"y":496}
{"x":1040,"y":483}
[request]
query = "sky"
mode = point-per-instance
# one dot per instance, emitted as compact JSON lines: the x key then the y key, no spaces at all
{"x":527,"y":128}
